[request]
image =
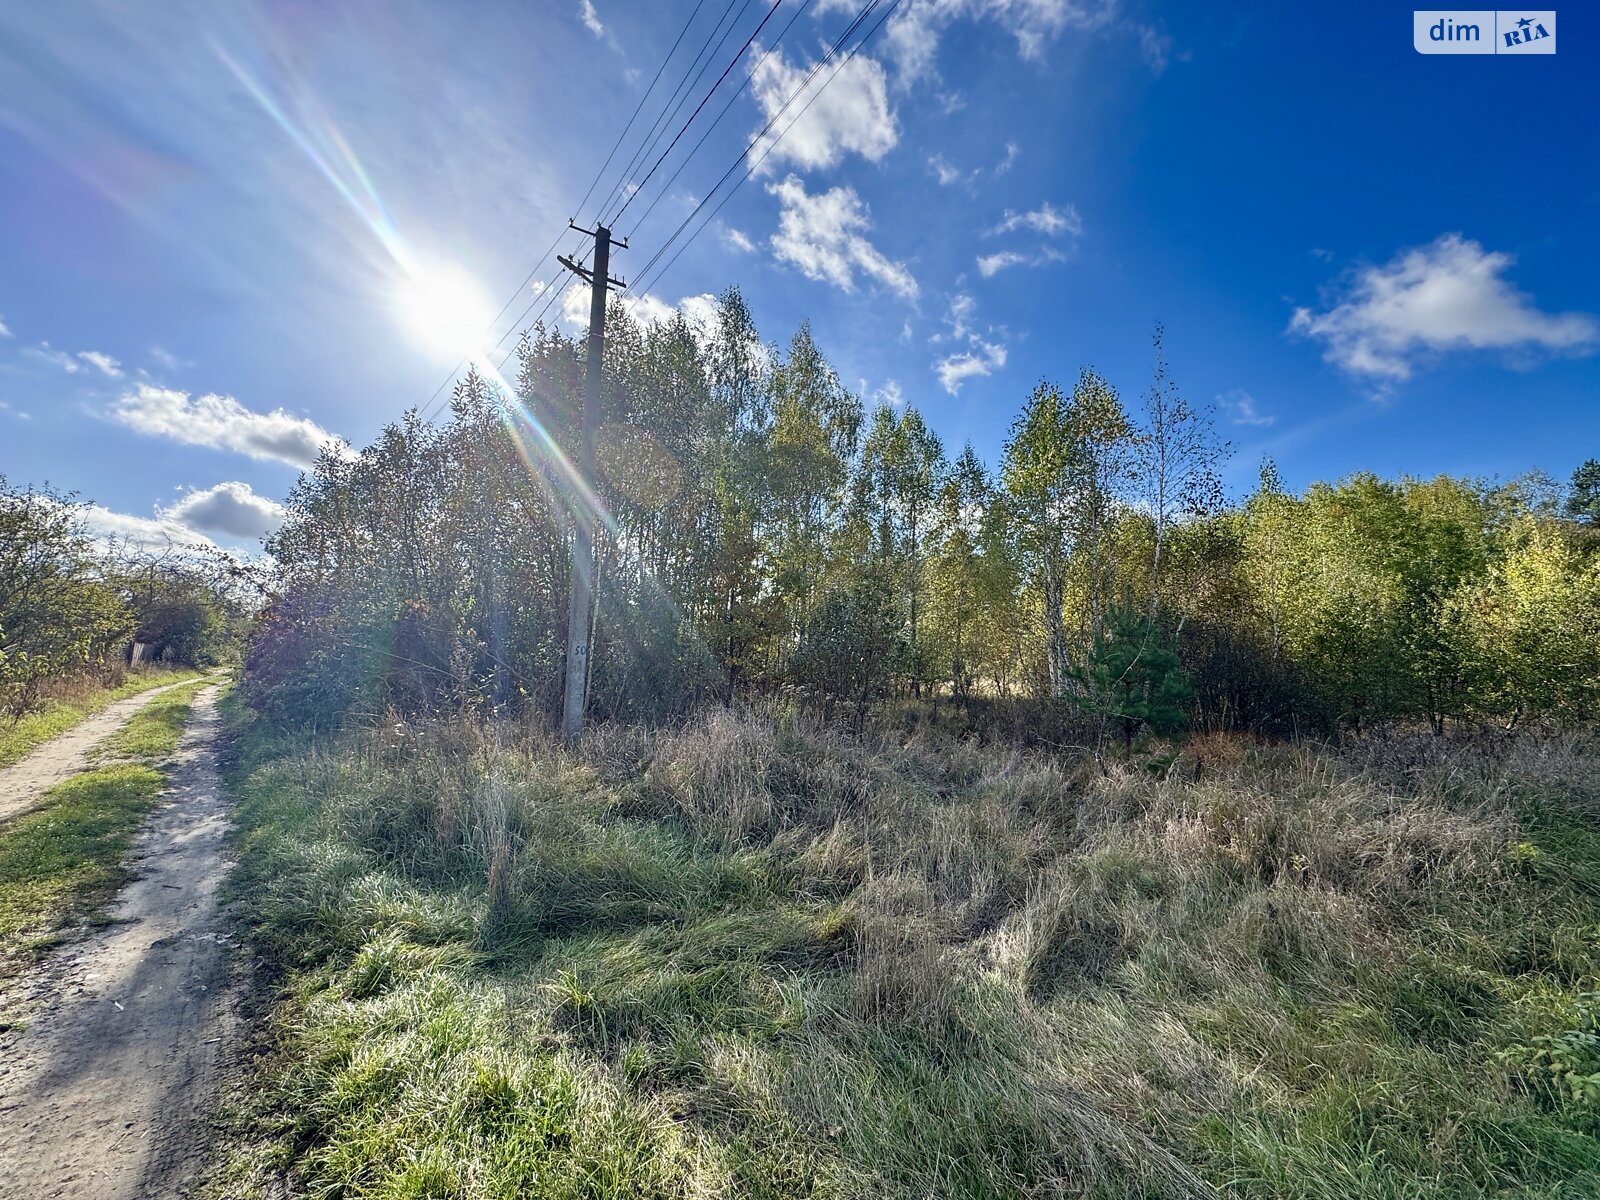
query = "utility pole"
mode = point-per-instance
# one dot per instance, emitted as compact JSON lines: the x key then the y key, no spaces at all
{"x":575,"y":694}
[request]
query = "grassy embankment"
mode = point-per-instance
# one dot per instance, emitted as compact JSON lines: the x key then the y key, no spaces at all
{"x":742,"y":959}
{"x":61,"y":861}
{"x":75,"y":701}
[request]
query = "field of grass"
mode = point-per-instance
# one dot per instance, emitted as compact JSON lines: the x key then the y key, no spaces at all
{"x":76,"y":701}
{"x":61,"y":862}
{"x":749,"y":958}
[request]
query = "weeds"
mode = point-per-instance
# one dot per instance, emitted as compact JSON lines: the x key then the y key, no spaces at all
{"x":748,"y":958}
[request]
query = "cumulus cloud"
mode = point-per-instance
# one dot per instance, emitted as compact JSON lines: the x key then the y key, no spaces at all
{"x":590,"y":18}
{"x":1240,"y":407}
{"x":848,"y":112}
{"x":737,"y":239}
{"x":222,"y":423}
{"x":824,"y":235}
{"x":144,"y":533}
{"x":648,"y":309}
{"x":1046,"y":219}
{"x":1450,"y":295}
{"x":232,"y":509}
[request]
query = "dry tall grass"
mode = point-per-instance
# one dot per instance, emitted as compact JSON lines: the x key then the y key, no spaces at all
{"x":794,"y":962}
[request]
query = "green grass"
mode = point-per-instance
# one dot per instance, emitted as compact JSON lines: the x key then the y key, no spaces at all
{"x":758,"y":960}
{"x":17,"y":738}
{"x":61,"y":862}
{"x":153,"y":732}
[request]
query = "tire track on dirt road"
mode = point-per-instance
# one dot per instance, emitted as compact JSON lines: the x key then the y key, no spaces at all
{"x":63,"y":756}
{"x":105,"y":1094}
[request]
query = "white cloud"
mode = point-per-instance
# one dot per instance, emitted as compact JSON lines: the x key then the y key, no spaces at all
{"x":4,"y":332}
{"x":914,"y":32}
{"x":60,"y":358}
{"x":990,"y":265}
{"x":823,"y":235}
{"x":848,"y":112}
{"x":984,"y":359}
{"x":1240,"y":408}
{"x":962,"y":306}
{"x":1450,"y":295}
{"x":648,"y":309}
{"x":984,"y":354}
{"x":231,"y":509}
{"x":1046,"y":219}
{"x":103,"y":363}
{"x":1009,"y":161}
{"x":168,"y":360}
{"x":590,"y":18}
{"x":76,"y":364}
{"x":891,"y":393}
{"x":19,"y":414}
{"x":943,"y":170}
{"x":737,"y":239}
{"x":1156,"y":46}
{"x":143,"y":533}
{"x":222,"y":423}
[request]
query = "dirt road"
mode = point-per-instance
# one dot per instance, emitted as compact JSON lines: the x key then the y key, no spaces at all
{"x":22,"y":783}
{"x":104,"y":1094}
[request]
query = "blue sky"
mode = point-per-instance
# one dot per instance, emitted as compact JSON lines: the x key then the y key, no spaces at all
{"x":218,"y":222}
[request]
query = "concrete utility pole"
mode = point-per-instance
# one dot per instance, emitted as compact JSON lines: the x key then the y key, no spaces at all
{"x":575,"y":694}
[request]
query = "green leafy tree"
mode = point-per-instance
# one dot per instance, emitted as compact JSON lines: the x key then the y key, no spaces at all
{"x":1583,"y":495}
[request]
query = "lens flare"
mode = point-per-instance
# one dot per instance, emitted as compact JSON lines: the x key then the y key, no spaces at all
{"x":445,"y":310}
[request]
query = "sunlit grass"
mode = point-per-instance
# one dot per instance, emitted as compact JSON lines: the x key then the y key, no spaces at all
{"x":749,"y":959}
{"x":62,"y":713}
{"x":154,"y":731}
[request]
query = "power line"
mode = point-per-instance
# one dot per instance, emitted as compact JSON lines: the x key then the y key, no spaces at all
{"x":666,"y":188}
{"x":674,"y":103}
{"x":867,"y":11}
{"x":430,"y":405}
{"x":733,"y":62}
{"x":638,"y":108}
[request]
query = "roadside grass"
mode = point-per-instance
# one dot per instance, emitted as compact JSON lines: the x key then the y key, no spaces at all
{"x":76,"y":702}
{"x":758,"y":959}
{"x":154,"y":731}
{"x":61,"y":862}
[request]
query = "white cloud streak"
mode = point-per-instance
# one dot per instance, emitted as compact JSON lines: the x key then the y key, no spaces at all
{"x":990,"y":265}
{"x":1239,"y":406}
{"x":222,"y":423}
{"x":1046,"y":219}
{"x":590,"y":18}
{"x":1451,"y":295}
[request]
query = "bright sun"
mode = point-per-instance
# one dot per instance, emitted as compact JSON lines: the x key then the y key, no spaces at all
{"x":446,"y":311}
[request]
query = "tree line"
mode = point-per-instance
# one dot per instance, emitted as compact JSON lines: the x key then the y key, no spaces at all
{"x":75,"y":606}
{"x":762,"y":533}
